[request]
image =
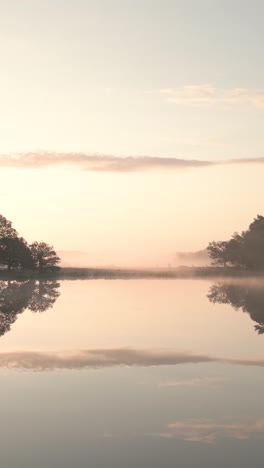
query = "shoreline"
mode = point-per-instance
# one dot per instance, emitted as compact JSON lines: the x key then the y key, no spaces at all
{"x":70,"y":273}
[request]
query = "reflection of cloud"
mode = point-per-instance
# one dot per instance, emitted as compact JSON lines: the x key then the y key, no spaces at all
{"x":209,"y":431}
{"x":207,"y":94}
{"x":246,"y":362}
{"x":96,"y":358}
{"x":196,"y":382}
{"x":99,"y":358}
{"x":105,"y":163}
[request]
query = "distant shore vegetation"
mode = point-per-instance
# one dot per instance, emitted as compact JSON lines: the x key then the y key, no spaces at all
{"x":17,"y":254}
{"x":241,"y":254}
{"x":243,"y":251}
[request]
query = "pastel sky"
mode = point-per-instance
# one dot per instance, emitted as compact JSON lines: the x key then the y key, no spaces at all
{"x":131,"y":129}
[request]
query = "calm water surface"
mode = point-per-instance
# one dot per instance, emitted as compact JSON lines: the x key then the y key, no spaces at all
{"x":132,"y":374}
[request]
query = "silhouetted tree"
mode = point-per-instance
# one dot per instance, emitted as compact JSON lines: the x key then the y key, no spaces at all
{"x":16,"y":297}
{"x":249,"y":297}
{"x":15,"y":252}
{"x":218,"y":252}
{"x":254,"y":243}
{"x":236,"y":252}
{"x":245,"y":250}
{"x":44,"y":256}
{"x":6,"y":228}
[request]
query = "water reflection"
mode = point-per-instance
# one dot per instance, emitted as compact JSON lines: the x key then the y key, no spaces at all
{"x":128,"y":384}
{"x":248,"y":297}
{"x":118,"y":357}
{"x":15,"y":297}
{"x":209,"y":431}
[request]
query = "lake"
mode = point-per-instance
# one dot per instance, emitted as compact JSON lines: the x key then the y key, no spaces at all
{"x":132,"y":374}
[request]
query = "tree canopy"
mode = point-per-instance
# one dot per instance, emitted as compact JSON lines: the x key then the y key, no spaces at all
{"x":15,"y":252}
{"x":6,"y":228}
{"x":44,"y":256}
{"x":245,"y":250}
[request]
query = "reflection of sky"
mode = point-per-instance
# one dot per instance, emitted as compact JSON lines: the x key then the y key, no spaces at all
{"x":137,"y":314}
{"x":117,"y":417}
{"x":145,"y":414}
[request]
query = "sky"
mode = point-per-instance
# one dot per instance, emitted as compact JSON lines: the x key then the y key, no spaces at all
{"x":131,"y":129}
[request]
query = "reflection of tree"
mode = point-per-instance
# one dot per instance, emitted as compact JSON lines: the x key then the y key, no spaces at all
{"x":249,"y":298}
{"x":15,"y":297}
{"x":44,"y":296}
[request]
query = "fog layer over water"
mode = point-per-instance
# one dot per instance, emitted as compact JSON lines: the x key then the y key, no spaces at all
{"x":142,"y":374}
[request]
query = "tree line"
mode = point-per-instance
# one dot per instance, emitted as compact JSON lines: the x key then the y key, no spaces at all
{"x":245,"y":250}
{"x":16,"y":253}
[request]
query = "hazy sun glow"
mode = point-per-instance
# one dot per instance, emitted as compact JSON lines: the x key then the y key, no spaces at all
{"x":135,"y":218}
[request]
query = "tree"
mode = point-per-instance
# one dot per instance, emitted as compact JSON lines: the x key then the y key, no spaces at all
{"x":15,"y":252}
{"x":236,"y":252}
{"x":245,"y":250}
{"x":218,"y":252}
{"x":254,"y":243}
{"x":6,"y":228}
{"x":44,"y":256}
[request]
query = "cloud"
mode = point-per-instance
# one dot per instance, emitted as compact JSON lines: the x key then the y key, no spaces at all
{"x":207,"y":94}
{"x":113,"y":357}
{"x":245,"y":161}
{"x":107,"y":163}
{"x":96,"y":162}
{"x":200,"y":430}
